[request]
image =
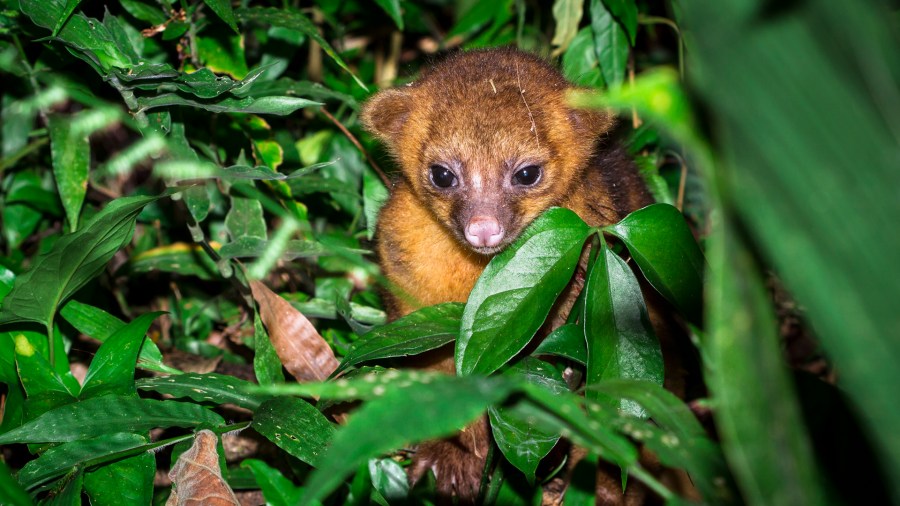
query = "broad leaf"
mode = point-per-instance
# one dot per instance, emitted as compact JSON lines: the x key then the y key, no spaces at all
{"x":567,"y":14}
{"x":296,"y":426}
{"x":107,"y":414}
{"x":565,"y":341}
{"x":414,"y":413}
{"x":60,"y":459}
{"x":427,"y":329}
{"x":210,"y":387}
{"x":223,"y":9}
{"x":663,"y":246}
{"x":126,"y":481}
{"x":74,"y":260}
{"x":516,"y":291}
{"x":71,"y":157}
{"x":112,"y":368}
{"x":610,"y":43}
{"x":620,"y":339}
{"x":276,"y":489}
{"x":279,"y":106}
{"x":523,"y":444}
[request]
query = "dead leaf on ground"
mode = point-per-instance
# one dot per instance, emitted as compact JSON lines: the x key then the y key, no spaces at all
{"x":197,"y":477}
{"x":304,"y":352}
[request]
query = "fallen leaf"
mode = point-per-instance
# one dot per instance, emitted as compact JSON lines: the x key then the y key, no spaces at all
{"x":304,"y":352}
{"x":197,"y":477}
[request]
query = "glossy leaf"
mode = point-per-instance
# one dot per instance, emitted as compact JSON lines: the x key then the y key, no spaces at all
{"x":620,"y":339}
{"x":427,"y":329}
{"x":209,"y":387}
{"x":266,"y":364}
{"x":295,"y":426}
{"x":565,"y":341}
{"x":71,"y":157}
{"x":107,"y":414}
{"x":662,"y":245}
{"x":37,"y":375}
{"x":245,"y":219}
{"x":112,"y":368}
{"x":60,"y":459}
{"x":179,"y":258}
{"x":523,"y":444}
{"x":100,"y":325}
{"x":771,"y":466}
{"x":389,"y":479}
{"x":363,"y":383}
{"x":516,"y":291}
{"x":579,"y":62}
{"x":610,"y":43}
{"x":74,"y":260}
{"x":416,"y":412}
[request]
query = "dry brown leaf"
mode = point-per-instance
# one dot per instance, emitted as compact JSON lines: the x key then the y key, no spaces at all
{"x":197,"y":477}
{"x":304,"y":352}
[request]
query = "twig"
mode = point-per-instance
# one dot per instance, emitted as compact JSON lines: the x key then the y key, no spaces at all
{"x":530,"y":116}
{"x":355,"y":141}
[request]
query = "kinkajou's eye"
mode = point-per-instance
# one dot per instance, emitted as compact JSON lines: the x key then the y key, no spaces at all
{"x":527,"y":176}
{"x":442,"y":177}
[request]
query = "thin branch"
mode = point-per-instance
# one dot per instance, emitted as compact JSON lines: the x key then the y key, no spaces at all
{"x":355,"y":141}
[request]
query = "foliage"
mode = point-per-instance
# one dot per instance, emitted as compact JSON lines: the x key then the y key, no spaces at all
{"x":158,"y":158}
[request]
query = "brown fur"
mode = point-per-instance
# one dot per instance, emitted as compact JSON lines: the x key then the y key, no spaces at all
{"x":484,"y":114}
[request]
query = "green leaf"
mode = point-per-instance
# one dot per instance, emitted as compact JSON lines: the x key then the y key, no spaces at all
{"x":279,"y":106}
{"x":516,"y":291}
{"x":112,"y":368}
{"x":375,"y":194}
{"x":295,"y":20}
{"x":223,"y":54}
{"x":620,"y":339}
{"x":626,"y":13}
{"x":295,"y":426}
{"x":663,"y":246}
{"x":144,"y":12}
{"x":70,"y":495}
{"x":579,"y":62}
{"x":67,"y":11}
{"x":772,"y":466}
{"x":266,"y":363}
{"x":364,"y":383}
{"x":523,"y":444}
{"x":186,"y":259}
{"x":196,"y":198}
{"x":565,"y":341}
{"x":60,"y":459}
{"x":100,"y":325}
{"x":427,"y":329}
{"x":389,"y":479}
{"x":127,"y":481}
{"x":392,"y":8}
{"x":74,"y":260}
{"x":681,"y":440}
{"x":610,"y":43}
{"x":107,"y":414}
{"x":209,"y":387}
{"x":276,"y":489}
{"x":11,"y":491}
{"x":38,"y":377}
{"x":794,"y":160}
{"x":245,"y":219}
{"x":223,"y":9}
{"x":71,"y":157}
{"x":411,"y":414}
{"x":567,"y":14}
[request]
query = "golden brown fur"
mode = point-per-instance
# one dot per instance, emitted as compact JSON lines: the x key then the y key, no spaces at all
{"x":483,"y":115}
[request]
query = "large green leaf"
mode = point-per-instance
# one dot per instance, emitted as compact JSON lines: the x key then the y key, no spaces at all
{"x":296,"y":426}
{"x":610,"y":43}
{"x":279,"y":106}
{"x":60,"y":459}
{"x":71,"y":157}
{"x":620,"y":339}
{"x":112,"y":368}
{"x":662,"y":245}
{"x":626,"y":13}
{"x":107,"y":414}
{"x":74,"y":260}
{"x":516,"y":291}
{"x":97,"y":323}
{"x":523,"y":444}
{"x":209,"y":387}
{"x":427,"y":329}
{"x":567,"y":14}
{"x":276,"y":489}
{"x":806,"y":161}
{"x":126,"y":481}
{"x":11,"y":491}
{"x":411,"y":414}
{"x":770,"y":451}
{"x":223,"y":9}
